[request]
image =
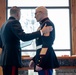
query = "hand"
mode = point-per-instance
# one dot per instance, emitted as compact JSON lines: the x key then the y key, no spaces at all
{"x":47,"y":29}
{"x":38,"y":68}
{"x":31,"y":64}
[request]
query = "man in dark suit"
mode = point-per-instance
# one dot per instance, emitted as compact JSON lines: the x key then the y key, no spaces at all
{"x":45,"y":59}
{"x":11,"y":34}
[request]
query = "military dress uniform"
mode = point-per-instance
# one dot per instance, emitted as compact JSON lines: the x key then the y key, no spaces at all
{"x":47,"y":61}
{"x":11,"y":34}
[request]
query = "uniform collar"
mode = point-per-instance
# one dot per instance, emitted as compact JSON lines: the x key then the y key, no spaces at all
{"x":44,"y":20}
{"x":12,"y":18}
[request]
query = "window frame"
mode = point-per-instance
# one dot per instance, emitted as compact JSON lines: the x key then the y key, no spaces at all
{"x":62,"y":7}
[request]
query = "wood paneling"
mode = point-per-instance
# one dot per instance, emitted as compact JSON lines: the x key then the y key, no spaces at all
{"x":2,"y":11}
{"x":73,"y":25}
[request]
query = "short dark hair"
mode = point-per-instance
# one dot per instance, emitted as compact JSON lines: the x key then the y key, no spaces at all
{"x":14,"y":10}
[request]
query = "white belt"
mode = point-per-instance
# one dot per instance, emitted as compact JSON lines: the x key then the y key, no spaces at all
{"x":38,"y":47}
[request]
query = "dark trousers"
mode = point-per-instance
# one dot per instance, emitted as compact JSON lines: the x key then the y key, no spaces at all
{"x":8,"y":70}
{"x":45,"y":72}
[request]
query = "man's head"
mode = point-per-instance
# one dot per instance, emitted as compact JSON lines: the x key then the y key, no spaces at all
{"x":41,"y":13}
{"x":15,"y":12}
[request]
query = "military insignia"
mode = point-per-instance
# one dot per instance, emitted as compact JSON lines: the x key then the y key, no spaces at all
{"x":43,"y":51}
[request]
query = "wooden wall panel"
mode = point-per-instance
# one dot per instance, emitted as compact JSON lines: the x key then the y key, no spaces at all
{"x":73,"y":23}
{"x":2,"y":11}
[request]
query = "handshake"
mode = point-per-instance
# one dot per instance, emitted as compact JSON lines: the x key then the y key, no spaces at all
{"x":37,"y":68}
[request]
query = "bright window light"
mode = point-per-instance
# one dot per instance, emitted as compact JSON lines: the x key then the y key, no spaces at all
{"x":59,"y":14}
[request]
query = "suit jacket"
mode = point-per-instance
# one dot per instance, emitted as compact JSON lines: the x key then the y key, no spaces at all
{"x":49,"y":60}
{"x":11,"y":34}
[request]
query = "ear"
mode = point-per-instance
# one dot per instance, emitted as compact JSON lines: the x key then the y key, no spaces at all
{"x":17,"y":14}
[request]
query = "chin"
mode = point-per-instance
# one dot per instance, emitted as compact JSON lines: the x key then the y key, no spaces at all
{"x":37,"y":20}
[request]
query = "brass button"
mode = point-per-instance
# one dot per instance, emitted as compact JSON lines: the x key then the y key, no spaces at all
{"x":39,"y":60}
{"x":37,"y":64}
{"x":40,"y":57}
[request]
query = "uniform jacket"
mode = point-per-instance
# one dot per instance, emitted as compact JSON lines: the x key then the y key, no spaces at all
{"x":49,"y":60}
{"x":11,"y":34}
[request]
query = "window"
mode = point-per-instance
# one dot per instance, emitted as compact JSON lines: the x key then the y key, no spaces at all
{"x":58,"y":12}
{"x":34,"y":3}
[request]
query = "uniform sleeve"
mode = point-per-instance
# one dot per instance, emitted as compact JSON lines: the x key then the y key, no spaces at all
{"x":18,"y":31}
{"x":48,"y":38}
{"x":47,"y":42}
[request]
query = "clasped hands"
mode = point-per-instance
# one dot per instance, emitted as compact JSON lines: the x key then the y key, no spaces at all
{"x":31,"y":64}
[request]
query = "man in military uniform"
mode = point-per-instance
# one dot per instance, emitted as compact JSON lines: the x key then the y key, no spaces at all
{"x":45,"y":59}
{"x":11,"y":34}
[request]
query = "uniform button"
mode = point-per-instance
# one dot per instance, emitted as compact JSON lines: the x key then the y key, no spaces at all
{"x":37,"y":64}
{"x":40,"y":57}
{"x":39,"y":60}
{"x":37,"y":38}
